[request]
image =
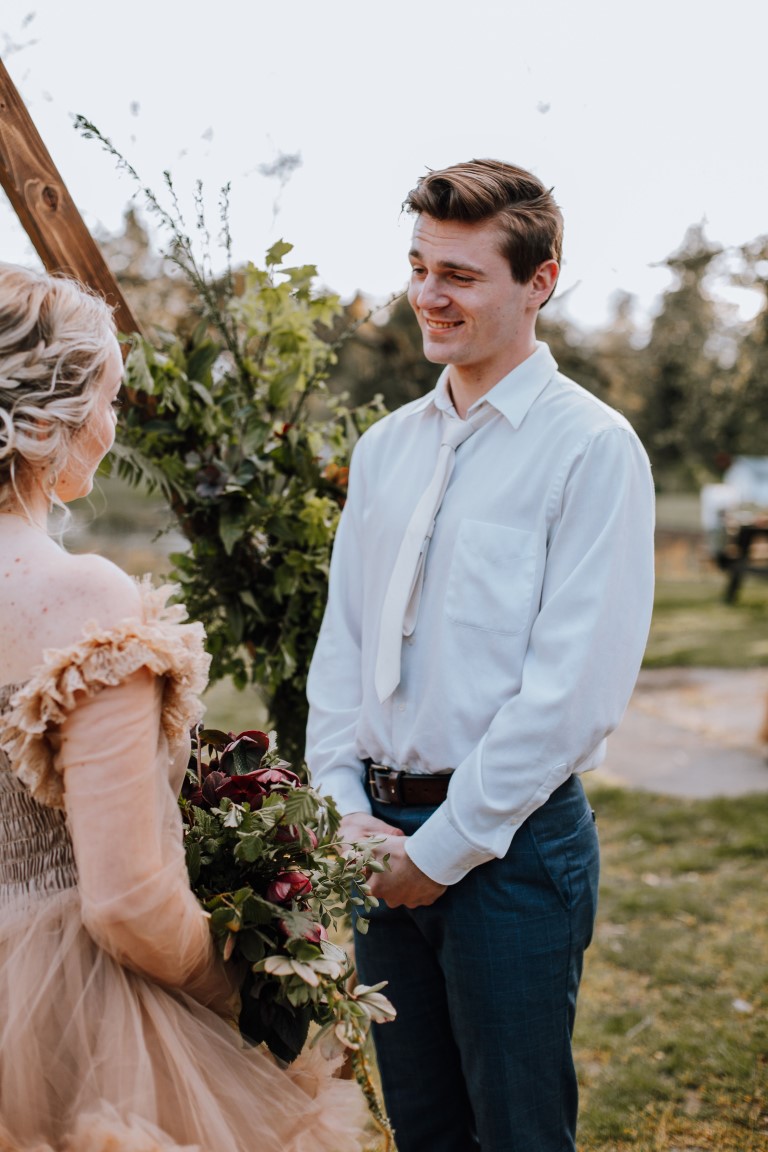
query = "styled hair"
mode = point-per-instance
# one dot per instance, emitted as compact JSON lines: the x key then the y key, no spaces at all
{"x":529,"y":221}
{"x":54,"y":343}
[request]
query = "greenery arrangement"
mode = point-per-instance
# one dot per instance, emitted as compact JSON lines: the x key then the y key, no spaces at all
{"x":234,"y":422}
{"x":266,"y":863}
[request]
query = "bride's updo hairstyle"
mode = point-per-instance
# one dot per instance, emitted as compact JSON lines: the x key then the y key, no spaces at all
{"x":54,"y":343}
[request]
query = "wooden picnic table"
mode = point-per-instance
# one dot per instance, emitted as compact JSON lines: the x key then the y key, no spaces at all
{"x":744,"y":551}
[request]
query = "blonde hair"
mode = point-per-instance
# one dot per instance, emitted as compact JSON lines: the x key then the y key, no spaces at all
{"x":54,"y":343}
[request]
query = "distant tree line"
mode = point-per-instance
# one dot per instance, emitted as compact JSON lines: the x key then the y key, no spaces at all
{"x":695,"y":387}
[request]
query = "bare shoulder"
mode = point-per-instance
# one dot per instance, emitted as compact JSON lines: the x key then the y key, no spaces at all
{"x":93,"y":589}
{"x":49,"y":597}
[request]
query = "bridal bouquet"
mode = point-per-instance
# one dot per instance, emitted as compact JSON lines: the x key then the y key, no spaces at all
{"x":265,"y":861}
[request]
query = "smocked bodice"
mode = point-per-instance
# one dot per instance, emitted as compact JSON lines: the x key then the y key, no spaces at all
{"x":36,"y":856}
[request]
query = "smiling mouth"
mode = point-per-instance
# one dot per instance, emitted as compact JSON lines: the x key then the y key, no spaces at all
{"x":442,"y":325}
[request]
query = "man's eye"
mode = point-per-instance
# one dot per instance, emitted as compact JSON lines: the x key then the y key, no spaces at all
{"x":462,"y":279}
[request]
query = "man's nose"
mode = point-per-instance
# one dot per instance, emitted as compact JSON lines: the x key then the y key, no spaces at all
{"x":431,"y":292}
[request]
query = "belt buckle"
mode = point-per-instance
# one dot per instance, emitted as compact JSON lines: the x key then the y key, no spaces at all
{"x":386,"y":780}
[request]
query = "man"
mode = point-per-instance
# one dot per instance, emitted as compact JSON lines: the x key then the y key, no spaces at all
{"x":479,"y":643}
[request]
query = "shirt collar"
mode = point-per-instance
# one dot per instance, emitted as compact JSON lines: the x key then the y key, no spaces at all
{"x":514,"y":394}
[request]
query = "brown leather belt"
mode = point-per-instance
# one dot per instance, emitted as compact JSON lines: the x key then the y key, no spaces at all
{"x":393,"y":786}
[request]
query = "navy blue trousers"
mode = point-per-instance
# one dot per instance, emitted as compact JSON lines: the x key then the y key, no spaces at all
{"x":485,"y":981}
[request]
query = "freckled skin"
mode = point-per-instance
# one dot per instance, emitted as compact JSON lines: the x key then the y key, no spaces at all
{"x":49,"y":595}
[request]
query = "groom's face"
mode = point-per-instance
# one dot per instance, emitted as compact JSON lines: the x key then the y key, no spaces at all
{"x":470,"y":310}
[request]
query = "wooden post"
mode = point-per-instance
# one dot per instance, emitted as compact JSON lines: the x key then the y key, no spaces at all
{"x":46,"y":210}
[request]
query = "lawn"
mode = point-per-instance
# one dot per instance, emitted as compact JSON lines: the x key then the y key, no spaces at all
{"x":671,"y":1037}
{"x":672,"y":1031}
{"x":692,"y":626}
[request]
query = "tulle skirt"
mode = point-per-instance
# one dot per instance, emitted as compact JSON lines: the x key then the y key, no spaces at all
{"x":94,"y":1058}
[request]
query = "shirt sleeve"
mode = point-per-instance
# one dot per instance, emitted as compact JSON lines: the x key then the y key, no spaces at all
{"x":583,"y":657}
{"x":334,"y":685}
{"x":127,"y":838}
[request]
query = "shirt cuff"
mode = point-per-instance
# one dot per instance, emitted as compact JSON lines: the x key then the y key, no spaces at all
{"x":441,"y":852}
{"x":345,"y":787}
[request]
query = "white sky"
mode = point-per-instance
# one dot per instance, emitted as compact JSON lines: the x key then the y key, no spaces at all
{"x":646,"y":117}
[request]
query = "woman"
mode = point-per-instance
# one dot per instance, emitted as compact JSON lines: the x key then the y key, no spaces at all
{"x":115,"y":1010}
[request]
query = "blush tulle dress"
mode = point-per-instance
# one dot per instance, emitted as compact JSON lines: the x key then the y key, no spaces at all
{"x":113,"y":1002}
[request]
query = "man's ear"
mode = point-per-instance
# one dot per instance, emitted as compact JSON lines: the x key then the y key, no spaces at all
{"x":543,"y":282}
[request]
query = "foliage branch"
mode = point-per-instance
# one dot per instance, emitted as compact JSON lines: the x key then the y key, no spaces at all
{"x":234,"y":423}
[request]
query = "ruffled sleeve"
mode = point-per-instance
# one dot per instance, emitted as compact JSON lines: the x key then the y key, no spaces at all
{"x":160,"y":640}
{"x":95,"y":731}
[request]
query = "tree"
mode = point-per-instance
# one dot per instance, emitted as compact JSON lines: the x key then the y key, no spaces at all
{"x":685,"y":421}
{"x":750,"y":386}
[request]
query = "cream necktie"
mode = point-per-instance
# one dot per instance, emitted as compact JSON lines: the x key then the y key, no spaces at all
{"x":401,"y":602}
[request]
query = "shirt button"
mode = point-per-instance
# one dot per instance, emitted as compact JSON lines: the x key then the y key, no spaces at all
{"x":401,"y":707}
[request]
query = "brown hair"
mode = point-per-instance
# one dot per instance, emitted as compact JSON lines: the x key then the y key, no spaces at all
{"x":529,"y":221}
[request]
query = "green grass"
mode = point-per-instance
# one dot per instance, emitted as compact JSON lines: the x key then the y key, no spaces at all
{"x":666,"y":1058}
{"x":692,"y":626}
{"x":667,"y":1061}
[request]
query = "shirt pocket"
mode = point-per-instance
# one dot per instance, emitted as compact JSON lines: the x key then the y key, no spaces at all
{"x":491,"y":578}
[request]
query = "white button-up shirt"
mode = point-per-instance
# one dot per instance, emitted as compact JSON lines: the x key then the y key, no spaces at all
{"x":533,"y":618}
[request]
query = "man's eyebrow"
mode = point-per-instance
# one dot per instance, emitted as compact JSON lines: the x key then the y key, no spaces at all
{"x":449,"y":265}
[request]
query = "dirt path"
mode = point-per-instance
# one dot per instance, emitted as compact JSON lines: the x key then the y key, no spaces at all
{"x":692,"y":732}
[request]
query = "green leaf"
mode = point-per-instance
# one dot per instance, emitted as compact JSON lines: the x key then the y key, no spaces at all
{"x":277,"y":253}
{"x":288,"y":1033}
{"x":201,"y":361}
{"x":193,"y":860}
{"x":231,"y":528}
{"x":251,"y":947}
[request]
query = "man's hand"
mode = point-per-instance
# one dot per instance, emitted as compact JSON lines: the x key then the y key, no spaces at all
{"x":404,"y":883}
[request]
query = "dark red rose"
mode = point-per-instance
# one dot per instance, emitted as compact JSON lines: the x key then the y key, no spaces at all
{"x":287,"y":886}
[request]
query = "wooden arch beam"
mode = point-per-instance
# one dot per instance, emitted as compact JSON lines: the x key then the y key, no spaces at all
{"x":47,"y":212}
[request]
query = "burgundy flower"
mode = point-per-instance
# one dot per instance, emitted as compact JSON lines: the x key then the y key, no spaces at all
{"x":211,"y":784}
{"x":289,"y":834}
{"x":244,"y":753}
{"x":269,"y":777}
{"x":287,"y":886}
{"x":247,"y":788}
{"x":314,"y":933}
